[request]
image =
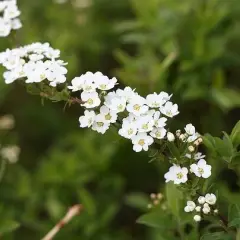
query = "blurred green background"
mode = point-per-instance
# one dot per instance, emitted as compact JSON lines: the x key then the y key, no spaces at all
{"x":190,"y":48}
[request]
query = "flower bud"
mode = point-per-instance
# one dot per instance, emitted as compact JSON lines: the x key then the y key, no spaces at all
{"x":201,"y":200}
{"x":170,"y":137}
{"x":191,"y":148}
{"x":197,"y":218}
{"x":198,"y":209}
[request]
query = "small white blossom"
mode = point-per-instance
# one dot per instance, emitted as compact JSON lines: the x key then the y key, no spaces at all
{"x":190,"y":129}
{"x":9,"y":17}
{"x":206,"y":209}
{"x":137,"y":106}
{"x":110,"y":115}
{"x":90,"y":99}
{"x":141,"y":141}
{"x":197,"y":218}
{"x":157,"y":100}
{"x":127,"y":93}
{"x":190,"y":206}
{"x":159,"y":122}
{"x":158,"y":133}
{"x":176,"y":174}
{"x":201,"y":169}
{"x":198,"y":156}
{"x":169,"y":109}
{"x":201,"y":200}
{"x":128,"y":130}
{"x":145,"y":123}
{"x":198,"y":209}
{"x":170,"y":137}
{"x":100,"y":124}
{"x":211,"y":198}
{"x":87,"y":119}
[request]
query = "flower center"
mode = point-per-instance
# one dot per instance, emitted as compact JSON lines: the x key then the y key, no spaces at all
{"x":179,"y":175}
{"x":100,"y":124}
{"x":136,"y":107}
{"x":120,"y":107}
{"x":103,"y":86}
{"x":130,"y":131}
{"x":141,"y":142}
{"x":90,"y":101}
{"x":145,"y":126}
{"x":108,"y":116}
{"x":200,"y":170}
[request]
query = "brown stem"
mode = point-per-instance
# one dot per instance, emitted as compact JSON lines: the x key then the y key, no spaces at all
{"x":72,"y":212}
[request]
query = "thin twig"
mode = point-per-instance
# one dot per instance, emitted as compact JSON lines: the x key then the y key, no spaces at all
{"x":72,"y":212}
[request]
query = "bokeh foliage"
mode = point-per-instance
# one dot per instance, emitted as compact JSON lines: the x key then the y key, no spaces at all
{"x":190,"y":48}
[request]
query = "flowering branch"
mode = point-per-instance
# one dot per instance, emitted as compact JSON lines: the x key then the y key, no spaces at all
{"x":72,"y":212}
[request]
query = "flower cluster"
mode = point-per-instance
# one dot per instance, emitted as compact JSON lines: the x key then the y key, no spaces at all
{"x":206,"y":206}
{"x":9,"y":14}
{"x":34,"y":63}
{"x":141,"y":119}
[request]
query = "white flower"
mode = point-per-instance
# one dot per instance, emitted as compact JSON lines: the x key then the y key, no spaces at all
{"x":190,"y":129}
{"x":157,"y":100}
{"x":137,"y":106}
{"x":110,"y":116}
{"x":159,"y":122}
{"x":77,"y":84}
{"x":141,"y":141}
{"x":198,"y":156}
{"x":201,"y":200}
{"x":201,"y":169}
{"x":88,"y":119}
{"x":170,"y":137}
{"x":206,"y":209}
{"x":193,"y":137}
{"x":128,"y":130}
{"x":90,"y":99}
{"x":176,"y":174}
{"x":169,"y":109}
{"x":32,"y":64}
{"x":104,"y":83}
{"x":190,"y":206}
{"x":145,"y":123}
{"x":127,"y":93}
{"x":117,"y":104}
{"x":9,"y":19}
{"x":211,"y":198}
{"x":197,"y":218}
{"x":100,"y":124}
{"x":158,"y":133}
{"x":198,"y":209}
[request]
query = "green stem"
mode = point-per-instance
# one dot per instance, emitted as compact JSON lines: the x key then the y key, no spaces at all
{"x":2,"y":168}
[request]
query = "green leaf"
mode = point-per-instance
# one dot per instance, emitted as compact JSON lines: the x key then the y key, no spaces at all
{"x":226,"y":98}
{"x":156,"y":219}
{"x":174,"y":197}
{"x":8,"y":226}
{"x":216,"y":236}
{"x":88,"y":201}
{"x":137,"y":200}
{"x":233,"y":213}
{"x":235,"y":223}
{"x":209,"y":141}
{"x":235,"y":134}
{"x":174,"y":150}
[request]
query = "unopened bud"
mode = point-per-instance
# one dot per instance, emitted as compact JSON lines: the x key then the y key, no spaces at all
{"x":153,"y":196}
{"x":191,"y":148}
{"x":170,"y":137}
